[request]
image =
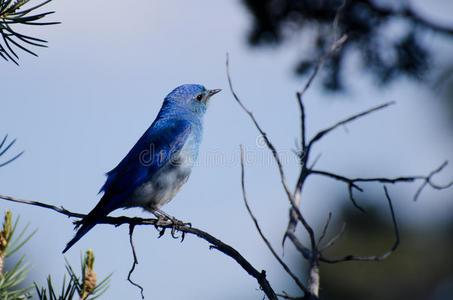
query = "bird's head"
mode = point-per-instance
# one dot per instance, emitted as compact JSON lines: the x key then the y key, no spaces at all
{"x":193,"y":97}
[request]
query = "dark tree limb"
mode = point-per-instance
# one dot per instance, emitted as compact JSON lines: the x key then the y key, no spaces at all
{"x":214,"y":242}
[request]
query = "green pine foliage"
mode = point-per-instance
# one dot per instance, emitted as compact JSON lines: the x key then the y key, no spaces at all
{"x":12,"y":13}
{"x":84,"y":287}
{"x":9,"y":244}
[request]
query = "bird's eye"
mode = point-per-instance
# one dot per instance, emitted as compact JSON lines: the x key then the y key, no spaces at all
{"x":199,"y":97}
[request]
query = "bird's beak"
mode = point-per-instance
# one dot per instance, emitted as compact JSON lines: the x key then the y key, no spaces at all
{"x":213,"y":92}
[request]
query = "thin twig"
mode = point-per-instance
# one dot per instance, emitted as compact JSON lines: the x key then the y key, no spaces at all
{"x":315,"y":161}
{"x":336,"y":21}
{"x":266,"y":241}
{"x":261,"y":131}
{"x":135,"y":262}
{"x":351,"y":197}
{"x":332,"y":241}
{"x":373,"y":257}
{"x":428,"y":181}
{"x":320,"y":134}
{"x":302,"y":123}
{"x":324,"y":230}
{"x":323,"y":59}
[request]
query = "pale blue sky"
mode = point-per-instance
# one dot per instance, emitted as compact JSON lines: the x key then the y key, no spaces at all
{"x":78,"y":108}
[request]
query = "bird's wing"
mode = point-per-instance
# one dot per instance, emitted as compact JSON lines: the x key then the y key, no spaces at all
{"x":153,"y":150}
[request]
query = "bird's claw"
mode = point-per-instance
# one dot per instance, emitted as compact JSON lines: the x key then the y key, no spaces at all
{"x":176,"y":225}
{"x":174,"y":228}
{"x":161,"y":232}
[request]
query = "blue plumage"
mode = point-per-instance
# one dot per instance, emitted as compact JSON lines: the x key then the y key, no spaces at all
{"x":160,"y":162}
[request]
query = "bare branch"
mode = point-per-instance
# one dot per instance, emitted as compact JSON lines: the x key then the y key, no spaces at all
{"x":323,"y":59}
{"x":427,"y":181}
{"x":351,"y":197}
{"x":332,"y":241}
{"x":299,"y":246}
{"x":324,"y":230}
{"x":266,"y":241}
{"x":61,"y":210}
{"x":135,"y":262}
{"x":337,"y":177}
{"x":214,"y":242}
{"x":374,"y":257}
{"x":261,"y":131}
{"x":352,"y":182}
{"x":302,"y":125}
{"x":320,"y":134}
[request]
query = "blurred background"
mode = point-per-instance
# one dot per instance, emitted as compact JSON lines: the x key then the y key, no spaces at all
{"x":80,"y":106}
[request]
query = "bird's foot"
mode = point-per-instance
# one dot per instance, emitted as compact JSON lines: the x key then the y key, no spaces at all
{"x":176,"y":224}
{"x":164,"y":217}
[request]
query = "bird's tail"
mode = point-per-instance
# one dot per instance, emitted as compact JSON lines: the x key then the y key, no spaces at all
{"x":89,"y":221}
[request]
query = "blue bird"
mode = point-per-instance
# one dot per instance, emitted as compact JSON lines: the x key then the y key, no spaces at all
{"x":160,"y":162}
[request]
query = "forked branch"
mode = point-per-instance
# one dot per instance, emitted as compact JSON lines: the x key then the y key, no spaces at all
{"x":372,"y":257}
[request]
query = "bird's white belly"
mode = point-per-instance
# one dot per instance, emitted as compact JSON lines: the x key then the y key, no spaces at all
{"x":163,"y":186}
